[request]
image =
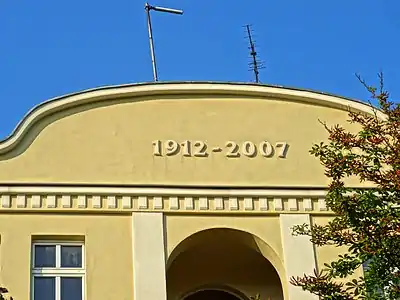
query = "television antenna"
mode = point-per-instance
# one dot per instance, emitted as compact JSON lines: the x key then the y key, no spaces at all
{"x":255,"y":65}
{"x":148,"y":8}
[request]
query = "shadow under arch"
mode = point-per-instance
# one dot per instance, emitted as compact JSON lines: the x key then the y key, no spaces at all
{"x":242,"y":237}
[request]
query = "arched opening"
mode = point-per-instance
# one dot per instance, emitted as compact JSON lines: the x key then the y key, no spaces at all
{"x":211,"y":295}
{"x":221,"y":257}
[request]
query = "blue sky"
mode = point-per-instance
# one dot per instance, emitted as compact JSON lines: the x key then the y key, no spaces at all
{"x":50,"y":48}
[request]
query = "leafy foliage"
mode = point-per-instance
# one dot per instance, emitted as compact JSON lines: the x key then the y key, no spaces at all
{"x":367,"y":220}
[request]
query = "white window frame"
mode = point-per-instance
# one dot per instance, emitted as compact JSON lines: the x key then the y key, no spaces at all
{"x":58,"y":272}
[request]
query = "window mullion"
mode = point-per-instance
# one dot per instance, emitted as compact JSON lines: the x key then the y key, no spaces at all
{"x":58,"y":288}
{"x":58,"y":256}
{"x":58,"y":277}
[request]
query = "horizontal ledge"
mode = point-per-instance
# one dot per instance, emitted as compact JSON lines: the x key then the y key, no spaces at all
{"x":162,"y":191}
{"x":122,"y":211}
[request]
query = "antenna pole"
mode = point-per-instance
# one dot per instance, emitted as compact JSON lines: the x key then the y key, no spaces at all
{"x":255,"y":64}
{"x":253,"y":53}
{"x":147,"y":7}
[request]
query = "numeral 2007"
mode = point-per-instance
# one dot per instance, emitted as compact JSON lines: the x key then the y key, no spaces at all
{"x":230,"y":149}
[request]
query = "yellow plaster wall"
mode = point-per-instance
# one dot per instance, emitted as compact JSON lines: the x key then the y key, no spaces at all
{"x":113,"y":144}
{"x":108,"y":251}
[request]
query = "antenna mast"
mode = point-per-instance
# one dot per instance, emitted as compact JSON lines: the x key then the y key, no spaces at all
{"x":255,"y":65}
{"x":148,"y":8}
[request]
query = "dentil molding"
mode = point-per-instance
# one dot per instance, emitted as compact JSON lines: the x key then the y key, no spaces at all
{"x":182,"y":200}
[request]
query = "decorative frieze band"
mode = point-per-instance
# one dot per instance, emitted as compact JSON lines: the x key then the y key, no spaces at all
{"x":173,"y":203}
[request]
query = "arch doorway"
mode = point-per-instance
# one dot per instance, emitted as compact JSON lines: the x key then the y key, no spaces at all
{"x":221,"y":257}
{"x":211,"y":295}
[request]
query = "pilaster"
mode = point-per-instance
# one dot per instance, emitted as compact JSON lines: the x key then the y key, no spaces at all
{"x":298,"y":252}
{"x":149,"y":278}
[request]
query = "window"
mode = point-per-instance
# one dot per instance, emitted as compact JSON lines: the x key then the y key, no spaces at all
{"x":58,"y":271}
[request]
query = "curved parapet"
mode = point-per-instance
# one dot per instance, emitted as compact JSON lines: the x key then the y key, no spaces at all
{"x":189,"y":133}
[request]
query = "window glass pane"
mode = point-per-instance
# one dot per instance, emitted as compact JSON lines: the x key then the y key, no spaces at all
{"x":45,"y":256}
{"x":71,"y":256}
{"x":44,"y":288}
{"x":71,"y":288}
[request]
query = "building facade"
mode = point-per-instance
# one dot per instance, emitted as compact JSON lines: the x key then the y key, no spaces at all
{"x":178,"y":191}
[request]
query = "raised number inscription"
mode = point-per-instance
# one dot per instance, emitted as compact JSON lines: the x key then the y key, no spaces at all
{"x":200,"y":149}
{"x":231,"y":149}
